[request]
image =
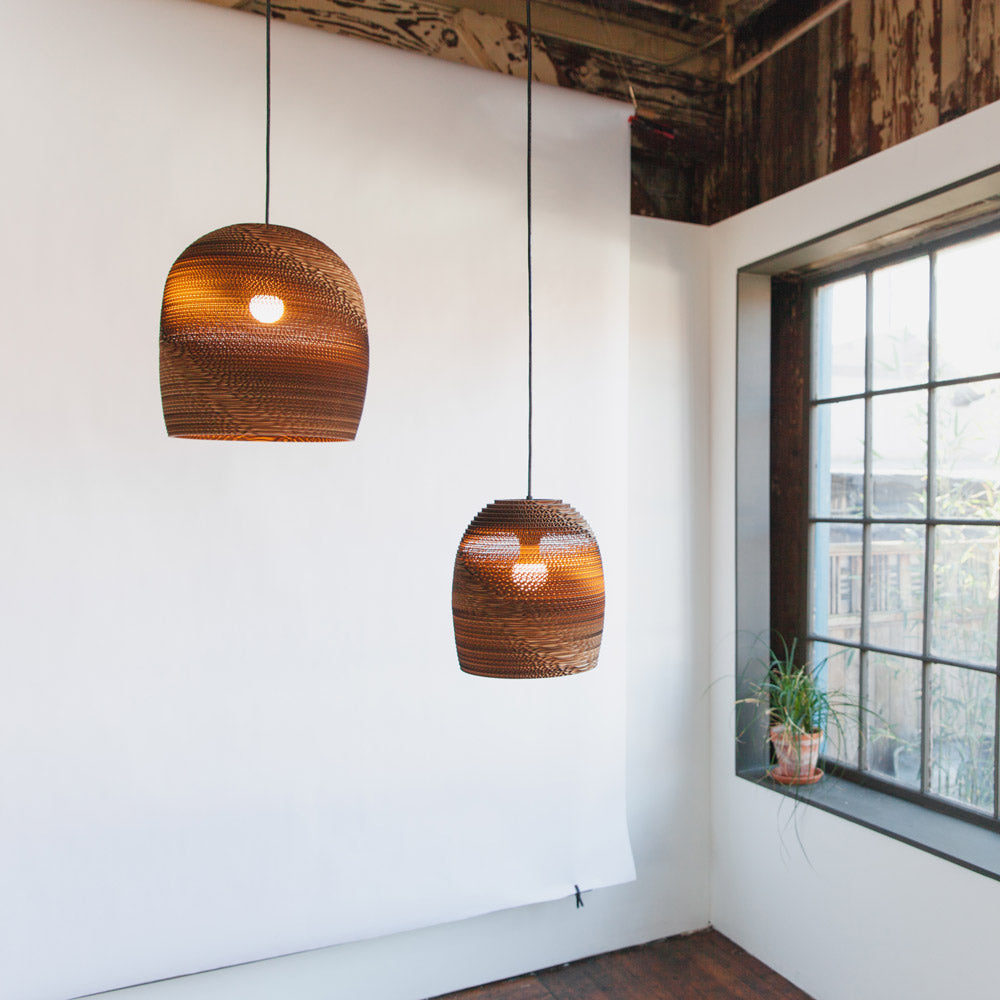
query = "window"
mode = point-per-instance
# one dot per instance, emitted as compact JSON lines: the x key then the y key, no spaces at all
{"x":904,"y":517}
{"x":868,"y":510}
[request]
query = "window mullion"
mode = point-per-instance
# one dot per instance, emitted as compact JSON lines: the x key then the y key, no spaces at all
{"x":996,"y":738}
{"x":925,"y":673}
{"x":866,"y":530}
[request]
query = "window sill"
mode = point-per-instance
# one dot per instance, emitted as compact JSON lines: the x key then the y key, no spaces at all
{"x":955,"y":840}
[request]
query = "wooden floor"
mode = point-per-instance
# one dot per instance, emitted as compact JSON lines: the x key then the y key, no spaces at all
{"x":701,"y":966}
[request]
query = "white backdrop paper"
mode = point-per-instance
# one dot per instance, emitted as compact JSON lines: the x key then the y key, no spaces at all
{"x":232,"y":724}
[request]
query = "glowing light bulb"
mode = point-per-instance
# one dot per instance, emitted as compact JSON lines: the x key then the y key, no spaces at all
{"x":267,"y":308}
{"x":529,"y":575}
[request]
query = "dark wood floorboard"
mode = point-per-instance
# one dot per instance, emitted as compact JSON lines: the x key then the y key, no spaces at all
{"x":701,"y":966}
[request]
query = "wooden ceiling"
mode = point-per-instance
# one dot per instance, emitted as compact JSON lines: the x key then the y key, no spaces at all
{"x":670,"y":58}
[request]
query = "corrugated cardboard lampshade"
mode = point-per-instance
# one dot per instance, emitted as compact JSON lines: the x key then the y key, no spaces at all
{"x":528,"y":591}
{"x":262,"y":337}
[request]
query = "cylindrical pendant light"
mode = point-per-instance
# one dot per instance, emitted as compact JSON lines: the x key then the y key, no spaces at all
{"x":528,"y":590}
{"x":263,"y":334}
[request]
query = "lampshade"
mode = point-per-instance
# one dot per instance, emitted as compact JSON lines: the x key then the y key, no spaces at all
{"x":528,"y":591}
{"x":262,"y":337}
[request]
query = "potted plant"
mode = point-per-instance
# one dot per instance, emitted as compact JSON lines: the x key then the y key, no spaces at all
{"x":799,"y":708}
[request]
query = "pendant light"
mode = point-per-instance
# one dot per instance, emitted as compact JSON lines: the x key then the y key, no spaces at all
{"x":528,"y":589}
{"x":263,"y":334}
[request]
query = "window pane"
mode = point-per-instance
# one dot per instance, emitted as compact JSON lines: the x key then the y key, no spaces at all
{"x":896,"y":587}
{"x":838,"y":668}
{"x":965,"y":593}
{"x":893,"y":698}
{"x":836,"y":612}
{"x":900,"y":308}
{"x":839,"y":338}
{"x":967,"y":438}
{"x":838,"y":460}
{"x":968,"y":322}
{"x":963,"y":703}
{"x":899,"y":455}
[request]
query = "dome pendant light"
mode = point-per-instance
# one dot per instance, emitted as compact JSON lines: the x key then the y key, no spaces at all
{"x":263,"y":334}
{"x":528,"y":590}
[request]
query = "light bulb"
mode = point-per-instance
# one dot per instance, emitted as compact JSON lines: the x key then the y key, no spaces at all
{"x":267,"y":308}
{"x":529,"y":575}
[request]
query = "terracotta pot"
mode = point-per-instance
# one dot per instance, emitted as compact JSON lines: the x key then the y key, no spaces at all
{"x":796,"y":753}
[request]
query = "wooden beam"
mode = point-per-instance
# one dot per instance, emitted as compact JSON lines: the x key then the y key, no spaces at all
{"x":743,"y":10}
{"x":713,"y":21}
{"x":598,"y":29}
{"x":405,"y":22}
{"x":734,"y":73}
{"x":712,"y":8}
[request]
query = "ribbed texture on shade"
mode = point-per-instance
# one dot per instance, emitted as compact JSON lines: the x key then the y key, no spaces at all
{"x":528,"y":591}
{"x":225,"y":374}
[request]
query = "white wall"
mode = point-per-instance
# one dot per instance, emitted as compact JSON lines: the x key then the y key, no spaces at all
{"x":669,"y":583}
{"x":150,"y":585}
{"x":667,"y":714}
{"x":849,"y":914}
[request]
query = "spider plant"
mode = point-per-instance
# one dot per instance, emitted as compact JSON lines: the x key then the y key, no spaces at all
{"x":800,"y":708}
{"x":794,"y":696}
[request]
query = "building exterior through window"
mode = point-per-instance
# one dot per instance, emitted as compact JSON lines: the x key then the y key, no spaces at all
{"x":904,"y":518}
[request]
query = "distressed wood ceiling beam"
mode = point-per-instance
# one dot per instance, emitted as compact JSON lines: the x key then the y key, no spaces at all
{"x":412,"y":24}
{"x":707,"y":10}
{"x":588,"y":23}
{"x":743,"y":10}
{"x":685,"y":12}
{"x":734,"y":73}
{"x":601,"y":30}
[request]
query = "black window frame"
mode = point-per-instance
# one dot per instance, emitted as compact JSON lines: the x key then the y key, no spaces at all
{"x":772,"y":523}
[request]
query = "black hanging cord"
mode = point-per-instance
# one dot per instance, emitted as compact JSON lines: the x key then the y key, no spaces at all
{"x":267,"y":132}
{"x":530,"y":331}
